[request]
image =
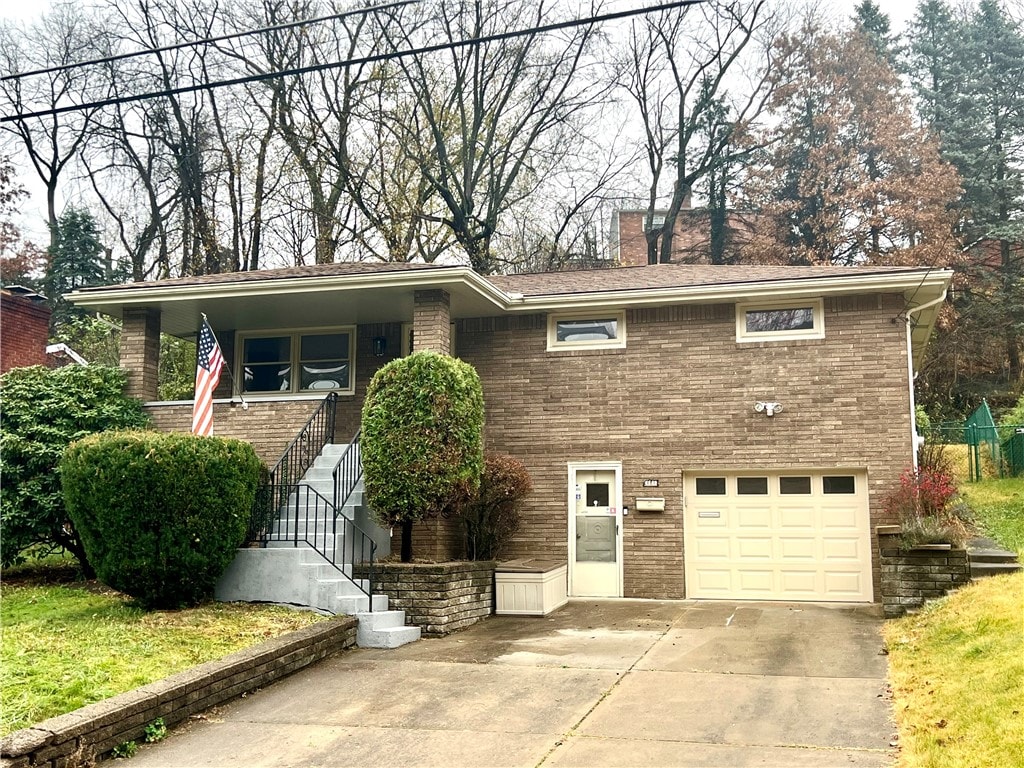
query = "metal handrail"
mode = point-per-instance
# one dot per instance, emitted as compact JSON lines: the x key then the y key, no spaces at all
{"x":309,"y":518}
{"x":347,"y":472}
{"x":311,"y":439}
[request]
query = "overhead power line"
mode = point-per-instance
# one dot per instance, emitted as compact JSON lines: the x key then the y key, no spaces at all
{"x":206,"y":41}
{"x":452,"y":45}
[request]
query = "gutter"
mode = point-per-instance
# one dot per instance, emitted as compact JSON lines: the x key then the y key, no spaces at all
{"x":916,"y":440}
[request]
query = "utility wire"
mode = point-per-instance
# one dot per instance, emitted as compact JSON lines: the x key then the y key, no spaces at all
{"x":452,"y":45}
{"x":207,"y":41}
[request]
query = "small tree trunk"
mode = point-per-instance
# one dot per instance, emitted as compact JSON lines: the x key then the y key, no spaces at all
{"x":407,"y":541}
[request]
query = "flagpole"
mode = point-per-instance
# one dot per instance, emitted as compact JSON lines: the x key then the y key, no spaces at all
{"x":231,"y":375}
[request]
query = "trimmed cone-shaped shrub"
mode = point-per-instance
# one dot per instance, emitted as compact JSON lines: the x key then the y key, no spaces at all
{"x":422,"y":439}
{"x":160,"y":515}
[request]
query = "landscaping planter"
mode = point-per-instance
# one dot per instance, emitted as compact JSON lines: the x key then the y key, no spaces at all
{"x":530,"y":587}
{"x":912,"y":576}
{"x":439,"y":598}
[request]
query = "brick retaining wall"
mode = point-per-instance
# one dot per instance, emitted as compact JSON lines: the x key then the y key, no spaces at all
{"x":912,"y":576}
{"x":440,"y":598}
{"x":78,"y":738}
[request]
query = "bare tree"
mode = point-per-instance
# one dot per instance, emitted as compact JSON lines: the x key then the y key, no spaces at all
{"x":62,"y":36}
{"x":492,"y":117}
{"x":699,"y":75}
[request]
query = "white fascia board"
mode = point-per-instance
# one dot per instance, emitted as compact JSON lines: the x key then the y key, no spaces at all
{"x":913,"y":283}
{"x":434,"y":278}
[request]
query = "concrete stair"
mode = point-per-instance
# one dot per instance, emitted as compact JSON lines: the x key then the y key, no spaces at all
{"x":987,"y":558}
{"x":289,"y":570}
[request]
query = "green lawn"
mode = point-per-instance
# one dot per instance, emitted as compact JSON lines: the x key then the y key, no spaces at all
{"x":998,"y":507}
{"x":65,"y":646}
{"x":957,"y":667}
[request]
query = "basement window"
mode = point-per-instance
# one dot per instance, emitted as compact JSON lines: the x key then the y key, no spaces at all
{"x":780,"y":321}
{"x":604,"y":330}
{"x":297,"y":362}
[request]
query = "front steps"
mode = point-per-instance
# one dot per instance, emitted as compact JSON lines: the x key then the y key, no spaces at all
{"x":987,"y":558}
{"x":293,"y":572}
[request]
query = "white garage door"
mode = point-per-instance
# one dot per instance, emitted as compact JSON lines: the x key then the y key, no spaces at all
{"x":790,"y":535}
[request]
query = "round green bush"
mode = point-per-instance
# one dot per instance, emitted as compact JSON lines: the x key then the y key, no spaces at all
{"x":45,"y":410}
{"x":160,"y":515}
{"x":422,"y":439}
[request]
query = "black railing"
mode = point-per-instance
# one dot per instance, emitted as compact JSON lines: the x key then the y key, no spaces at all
{"x":308,"y":518}
{"x":303,"y":450}
{"x":347,"y":472}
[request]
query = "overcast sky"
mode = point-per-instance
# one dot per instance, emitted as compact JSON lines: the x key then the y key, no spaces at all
{"x":33,"y":213}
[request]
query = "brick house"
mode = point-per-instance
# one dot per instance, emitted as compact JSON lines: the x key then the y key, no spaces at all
{"x":691,"y":430}
{"x":691,"y":238}
{"x":24,"y":328}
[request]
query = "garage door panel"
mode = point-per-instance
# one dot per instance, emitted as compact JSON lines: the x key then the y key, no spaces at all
{"x":714,"y":580}
{"x":798,"y":548}
{"x":797,"y":517}
{"x":797,"y":583}
{"x":756,"y":582}
{"x":836,"y":549}
{"x":754,"y":517}
{"x":844,"y":584}
{"x":841,"y":517}
{"x":750,"y":548}
{"x":714,"y":547}
{"x":779,"y":546}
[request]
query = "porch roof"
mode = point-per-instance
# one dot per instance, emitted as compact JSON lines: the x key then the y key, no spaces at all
{"x":363,"y":292}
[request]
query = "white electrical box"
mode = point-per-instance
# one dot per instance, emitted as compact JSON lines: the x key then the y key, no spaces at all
{"x":650,"y":504}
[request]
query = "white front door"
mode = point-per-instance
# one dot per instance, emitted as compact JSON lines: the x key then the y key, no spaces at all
{"x":595,"y":525}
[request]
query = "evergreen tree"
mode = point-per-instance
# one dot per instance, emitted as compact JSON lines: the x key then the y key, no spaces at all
{"x":967,"y":70}
{"x":75,"y":261}
{"x":874,"y":25}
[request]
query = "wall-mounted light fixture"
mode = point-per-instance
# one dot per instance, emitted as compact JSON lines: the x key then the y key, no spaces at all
{"x":380,"y":345}
{"x":768,"y":409}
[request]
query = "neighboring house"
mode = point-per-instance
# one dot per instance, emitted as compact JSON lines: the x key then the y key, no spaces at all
{"x":24,"y":328}
{"x":691,"y":430}
{"x":691,"y":239}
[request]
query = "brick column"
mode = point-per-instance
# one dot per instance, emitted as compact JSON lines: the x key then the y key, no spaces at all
{"x":431,"y":321}
{"x":140,"y":351}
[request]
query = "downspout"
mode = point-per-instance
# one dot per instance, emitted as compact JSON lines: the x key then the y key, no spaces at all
{"x":916,"y":440}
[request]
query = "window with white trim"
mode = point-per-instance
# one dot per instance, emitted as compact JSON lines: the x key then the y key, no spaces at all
{"x":780,"y":321}
{"x":295,"y":362}
{"x":599,"y":330}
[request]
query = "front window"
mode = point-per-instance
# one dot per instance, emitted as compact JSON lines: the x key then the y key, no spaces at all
{"x":602,"y":330}
{"x":791,"y":320}
{"x":292,"y":363}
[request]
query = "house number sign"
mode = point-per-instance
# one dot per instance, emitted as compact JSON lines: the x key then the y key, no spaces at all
{"x":650,"y":483}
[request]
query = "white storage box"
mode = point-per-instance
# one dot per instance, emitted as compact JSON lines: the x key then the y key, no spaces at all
{"x":530,"y":587}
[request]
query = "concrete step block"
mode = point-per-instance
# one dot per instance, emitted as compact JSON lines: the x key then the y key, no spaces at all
{"x":991,"y":556}
{"x":981,"y":570}
{"x":384,"y":629}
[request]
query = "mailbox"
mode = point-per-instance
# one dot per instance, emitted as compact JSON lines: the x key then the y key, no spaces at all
{"x":650,"y":504}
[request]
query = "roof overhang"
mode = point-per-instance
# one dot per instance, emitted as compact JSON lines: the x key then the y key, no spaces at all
{"x":297,"y":302}
{"x":309,"y":301}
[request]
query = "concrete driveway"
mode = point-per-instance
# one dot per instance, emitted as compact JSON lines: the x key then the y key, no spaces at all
{"x":597,"y":683}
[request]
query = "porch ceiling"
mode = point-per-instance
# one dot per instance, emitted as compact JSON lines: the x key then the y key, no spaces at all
{"x":290,"y":308}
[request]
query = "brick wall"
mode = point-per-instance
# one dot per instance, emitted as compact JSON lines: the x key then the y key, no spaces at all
{"x":24,"y":329}
{"x":432,"y":321}
{"x":691,"y":239}
{"x":81,"y":737}
{"x":912,"y":577}
{"x":680,"y":397}
{"x":140,"y":352}
{"x":440,"y":598}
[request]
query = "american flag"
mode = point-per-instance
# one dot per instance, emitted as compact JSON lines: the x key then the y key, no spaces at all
{"x":208,"y":366}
